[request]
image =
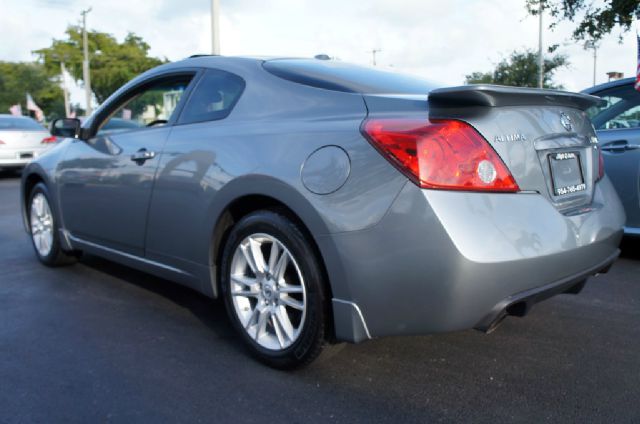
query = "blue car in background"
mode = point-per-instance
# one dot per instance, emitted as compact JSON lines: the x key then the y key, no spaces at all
{"x":617,"y":123}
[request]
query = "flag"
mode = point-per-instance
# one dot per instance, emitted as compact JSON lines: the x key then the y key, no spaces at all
{"x":637,"y":84}
{"x":16,"y":110}
{"x":32,"y":106}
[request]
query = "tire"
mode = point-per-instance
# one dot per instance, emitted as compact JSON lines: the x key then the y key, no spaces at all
{"x":282,"y":319}
{"x":44,"y":223}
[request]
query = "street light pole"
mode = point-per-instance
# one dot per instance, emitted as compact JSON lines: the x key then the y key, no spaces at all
{"x":595,"y":62}
{"x":373,"y":55}
{"x":85,"y":62}
{"x":591,"y":44}
{"x":215,"y":27}
{"x":540,"y":57}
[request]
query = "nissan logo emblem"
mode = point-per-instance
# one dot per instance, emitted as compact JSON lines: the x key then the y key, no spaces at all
{"x":565,"y":120}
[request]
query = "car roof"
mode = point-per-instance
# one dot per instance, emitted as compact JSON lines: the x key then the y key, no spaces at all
{"x":607,"y":85}
{"x":333,"y":75}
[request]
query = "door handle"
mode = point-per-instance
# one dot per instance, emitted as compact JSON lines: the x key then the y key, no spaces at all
{"x":619,"y":146}
{"x":142,"y":155}
{"x":613,"y":149}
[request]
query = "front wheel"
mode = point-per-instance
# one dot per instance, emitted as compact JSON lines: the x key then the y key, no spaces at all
{"x":43,"y":225}
{"x":273,"y":290}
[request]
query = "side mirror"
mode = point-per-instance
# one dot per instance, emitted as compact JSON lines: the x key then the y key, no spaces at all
{"x":66,"y":127}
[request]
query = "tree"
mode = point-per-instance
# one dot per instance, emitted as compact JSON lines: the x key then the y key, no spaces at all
{"x":520,"y":69}
{"x":112,"y":63}
{"x":19,"y":78}
{"x":594,"y":19}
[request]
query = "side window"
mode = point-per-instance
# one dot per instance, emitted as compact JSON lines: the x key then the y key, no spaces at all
{"x":609,"y":101}
{"x":213,"y":98}
{"x":153,"y":106}
{"x":621,"y":109}
{"x":630,"y":118}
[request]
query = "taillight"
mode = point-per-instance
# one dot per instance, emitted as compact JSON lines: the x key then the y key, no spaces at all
{"x":600,"y":165}
{"x":440,"y":154}
{"x":2,"y":142}
{"x":49,"y":140}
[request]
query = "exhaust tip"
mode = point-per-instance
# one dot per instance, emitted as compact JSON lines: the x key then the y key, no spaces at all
{"x":518,"y":309}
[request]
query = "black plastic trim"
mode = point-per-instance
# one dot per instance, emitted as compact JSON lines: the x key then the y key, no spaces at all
{"x":520,"y":304}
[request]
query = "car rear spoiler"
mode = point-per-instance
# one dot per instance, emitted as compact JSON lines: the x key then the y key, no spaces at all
{"x":485,"y":95}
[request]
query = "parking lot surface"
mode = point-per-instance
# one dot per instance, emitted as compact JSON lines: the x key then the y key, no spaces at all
{"x":99,"y":342}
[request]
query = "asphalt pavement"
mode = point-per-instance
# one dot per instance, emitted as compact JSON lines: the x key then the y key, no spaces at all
{"x":99,"y":342}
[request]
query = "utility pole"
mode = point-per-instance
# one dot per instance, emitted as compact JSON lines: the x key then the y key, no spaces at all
{"x":540,"y":57}
{"x":373,"y":55}
{"x":215,"y":27}
{"x":85,"y":62}
{"x":65,"y":91}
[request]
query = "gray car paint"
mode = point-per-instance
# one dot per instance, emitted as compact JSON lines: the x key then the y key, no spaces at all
{"x":400,"y":260}
{"x":622,"y":160}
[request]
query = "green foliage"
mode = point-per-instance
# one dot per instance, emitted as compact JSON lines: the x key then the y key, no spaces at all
{"x":594,"y":19}
{"x":112,"y":63}
{"x":19,"y":78}
{"x":520,"y":69}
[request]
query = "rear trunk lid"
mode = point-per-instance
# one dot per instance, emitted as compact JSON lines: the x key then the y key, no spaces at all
{"x":544,"y":137}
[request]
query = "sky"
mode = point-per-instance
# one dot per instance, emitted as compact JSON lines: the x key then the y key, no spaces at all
{"x":441,"y":40}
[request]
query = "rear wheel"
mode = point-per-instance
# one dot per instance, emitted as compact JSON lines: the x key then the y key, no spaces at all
{"x":274,"y":290}
{"x":44,"y":229}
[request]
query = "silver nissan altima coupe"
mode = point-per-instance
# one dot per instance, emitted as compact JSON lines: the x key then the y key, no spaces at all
{"x":327,"y":202}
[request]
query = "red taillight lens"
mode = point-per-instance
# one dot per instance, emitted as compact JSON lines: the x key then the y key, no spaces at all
{"x":49,"y":140}
{"x":600,"y":165}
{"x":1,"y":142}
{"x":440,"y":154}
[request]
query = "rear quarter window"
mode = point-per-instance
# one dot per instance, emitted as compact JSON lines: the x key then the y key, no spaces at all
{"x":213,"y":98}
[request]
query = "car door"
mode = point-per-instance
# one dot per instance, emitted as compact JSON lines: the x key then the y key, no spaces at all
{"x":190,"y":172}
{"x":106,"y":180}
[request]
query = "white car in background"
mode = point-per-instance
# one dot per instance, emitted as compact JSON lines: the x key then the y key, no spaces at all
{"x":21,"y":140}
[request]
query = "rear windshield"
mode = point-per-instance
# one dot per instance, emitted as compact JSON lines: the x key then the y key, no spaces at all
{"x":340,"y":76}
{"x":11,"y":123}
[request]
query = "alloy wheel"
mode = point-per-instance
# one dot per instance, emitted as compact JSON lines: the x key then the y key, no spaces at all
{"x":41,"y":224}
{"x":268,"y":291}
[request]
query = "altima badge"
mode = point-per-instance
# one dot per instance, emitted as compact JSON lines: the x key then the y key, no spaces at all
{"x":565,"y":120}
{"x":510,"y":137}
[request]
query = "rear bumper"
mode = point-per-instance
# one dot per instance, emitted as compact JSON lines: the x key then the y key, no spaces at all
{"x":519,"y":304}
{"x":445,"y":261}
{"x":17,"y":158}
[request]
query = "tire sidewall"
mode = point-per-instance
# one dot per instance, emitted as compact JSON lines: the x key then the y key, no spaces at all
{"x":291,"y":237}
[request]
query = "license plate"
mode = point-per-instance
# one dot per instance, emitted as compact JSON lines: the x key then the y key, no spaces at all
{"x":566,"y":173}
{"x":25,"y":155}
